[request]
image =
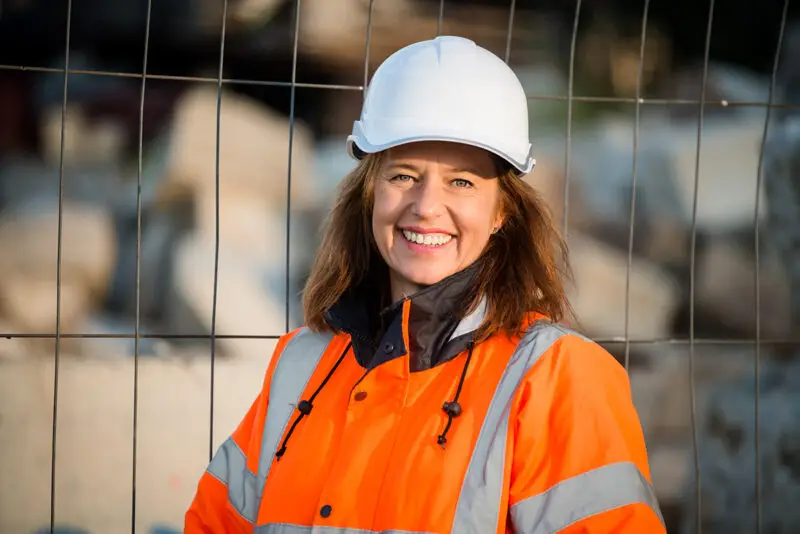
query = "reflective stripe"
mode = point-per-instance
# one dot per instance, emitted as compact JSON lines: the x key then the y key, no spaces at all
{"x":588,"y":494}
{"x":289,"y":380}
{"x":229,"y":466}
{"x":284,"y":528}
{"x":478,"y":509}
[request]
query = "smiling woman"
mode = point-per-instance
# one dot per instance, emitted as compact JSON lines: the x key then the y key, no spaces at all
{"x":432,"y":388}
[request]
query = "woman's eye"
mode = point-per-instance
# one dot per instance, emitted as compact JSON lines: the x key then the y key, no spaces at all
{"x":461,"y":182}
{"x":402,"y":178}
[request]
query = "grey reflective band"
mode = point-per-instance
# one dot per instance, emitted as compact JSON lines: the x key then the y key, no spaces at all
{"x":289,"y":379}
{"x":599,"y":490}
{"x":229,"y":466}
{"x":478,"y":510}
{"x":296,"y":364}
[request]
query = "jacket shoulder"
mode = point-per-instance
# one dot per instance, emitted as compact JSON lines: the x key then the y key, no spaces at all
{"x":301,"y":343}
{"x":566,"y":352}
{"x":303,"y":338}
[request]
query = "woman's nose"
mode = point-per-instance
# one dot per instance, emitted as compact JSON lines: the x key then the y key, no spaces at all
{"x":429,"y":199}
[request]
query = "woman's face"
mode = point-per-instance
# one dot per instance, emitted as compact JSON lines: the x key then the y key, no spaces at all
{"x":436,"y":205}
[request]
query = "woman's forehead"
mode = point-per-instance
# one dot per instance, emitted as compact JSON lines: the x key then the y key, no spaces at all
{"x":454,"y":157}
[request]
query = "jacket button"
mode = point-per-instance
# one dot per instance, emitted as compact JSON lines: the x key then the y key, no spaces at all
{"x":388,"y":347}
{"x":326,"y":511}
{"x":360,"y":396}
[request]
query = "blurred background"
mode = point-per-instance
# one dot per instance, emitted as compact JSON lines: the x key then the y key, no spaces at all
{"x":123,"y":446}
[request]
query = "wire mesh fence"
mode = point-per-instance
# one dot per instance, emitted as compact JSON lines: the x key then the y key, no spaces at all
{"x":625,"y":256}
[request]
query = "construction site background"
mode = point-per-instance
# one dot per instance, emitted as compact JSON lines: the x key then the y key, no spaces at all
{"x":675,"y":300}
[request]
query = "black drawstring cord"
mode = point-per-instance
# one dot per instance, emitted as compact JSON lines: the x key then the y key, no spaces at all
{"x":453,"y":408}
{"x":305,"y":406}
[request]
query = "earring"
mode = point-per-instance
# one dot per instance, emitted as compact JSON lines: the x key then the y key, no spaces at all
{"x":495,"y":229}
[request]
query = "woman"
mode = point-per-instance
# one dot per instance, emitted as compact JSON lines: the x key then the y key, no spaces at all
{"x":431,"y":389}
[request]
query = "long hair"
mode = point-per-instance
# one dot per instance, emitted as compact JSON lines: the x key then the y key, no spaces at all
{"x":522,"y":269}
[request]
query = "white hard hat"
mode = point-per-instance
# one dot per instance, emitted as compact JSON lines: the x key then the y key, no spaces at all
{"x":445,"y":89}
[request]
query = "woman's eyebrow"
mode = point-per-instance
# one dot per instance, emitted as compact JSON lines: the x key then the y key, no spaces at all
{"x":402,"y":166}
{"x":469,"y":170}
{"x":405,"y":166}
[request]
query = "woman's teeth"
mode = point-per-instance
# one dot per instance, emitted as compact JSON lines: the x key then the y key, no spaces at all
{"x":434,"y":240}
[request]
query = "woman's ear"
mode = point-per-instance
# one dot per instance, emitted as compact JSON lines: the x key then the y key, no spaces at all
{"x":498,"y":223}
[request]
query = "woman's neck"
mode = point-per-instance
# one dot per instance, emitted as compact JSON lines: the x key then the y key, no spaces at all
{"x":401,"y":288}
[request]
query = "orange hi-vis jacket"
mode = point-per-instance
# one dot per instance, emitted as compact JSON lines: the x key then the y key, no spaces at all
{"x":427,"y":432}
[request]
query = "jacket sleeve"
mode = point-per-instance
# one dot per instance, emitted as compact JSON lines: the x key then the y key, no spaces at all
{"x":224,"y":500}
{"x":579,"y":462}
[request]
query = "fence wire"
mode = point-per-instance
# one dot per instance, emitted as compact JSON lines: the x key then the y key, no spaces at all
{"x":692,"y":275}
{"x":647,"y":101}
{"x":757,"y":252}
{"x":701,"y":103}
{"x":137,"y":304}
{"x":58,"y":271}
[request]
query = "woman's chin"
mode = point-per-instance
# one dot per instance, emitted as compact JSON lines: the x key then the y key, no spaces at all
{"x":427,"y":277}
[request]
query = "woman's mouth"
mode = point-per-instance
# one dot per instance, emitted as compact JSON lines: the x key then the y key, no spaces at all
{"x":427,"y":239}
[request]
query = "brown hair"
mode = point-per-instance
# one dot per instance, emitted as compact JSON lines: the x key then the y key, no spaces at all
{"x":522,"y":269}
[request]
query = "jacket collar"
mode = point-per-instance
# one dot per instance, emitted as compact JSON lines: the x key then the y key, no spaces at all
{"x":435,"y":326}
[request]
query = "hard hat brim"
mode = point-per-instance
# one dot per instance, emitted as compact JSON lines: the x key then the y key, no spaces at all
{"x":359,"y":145}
